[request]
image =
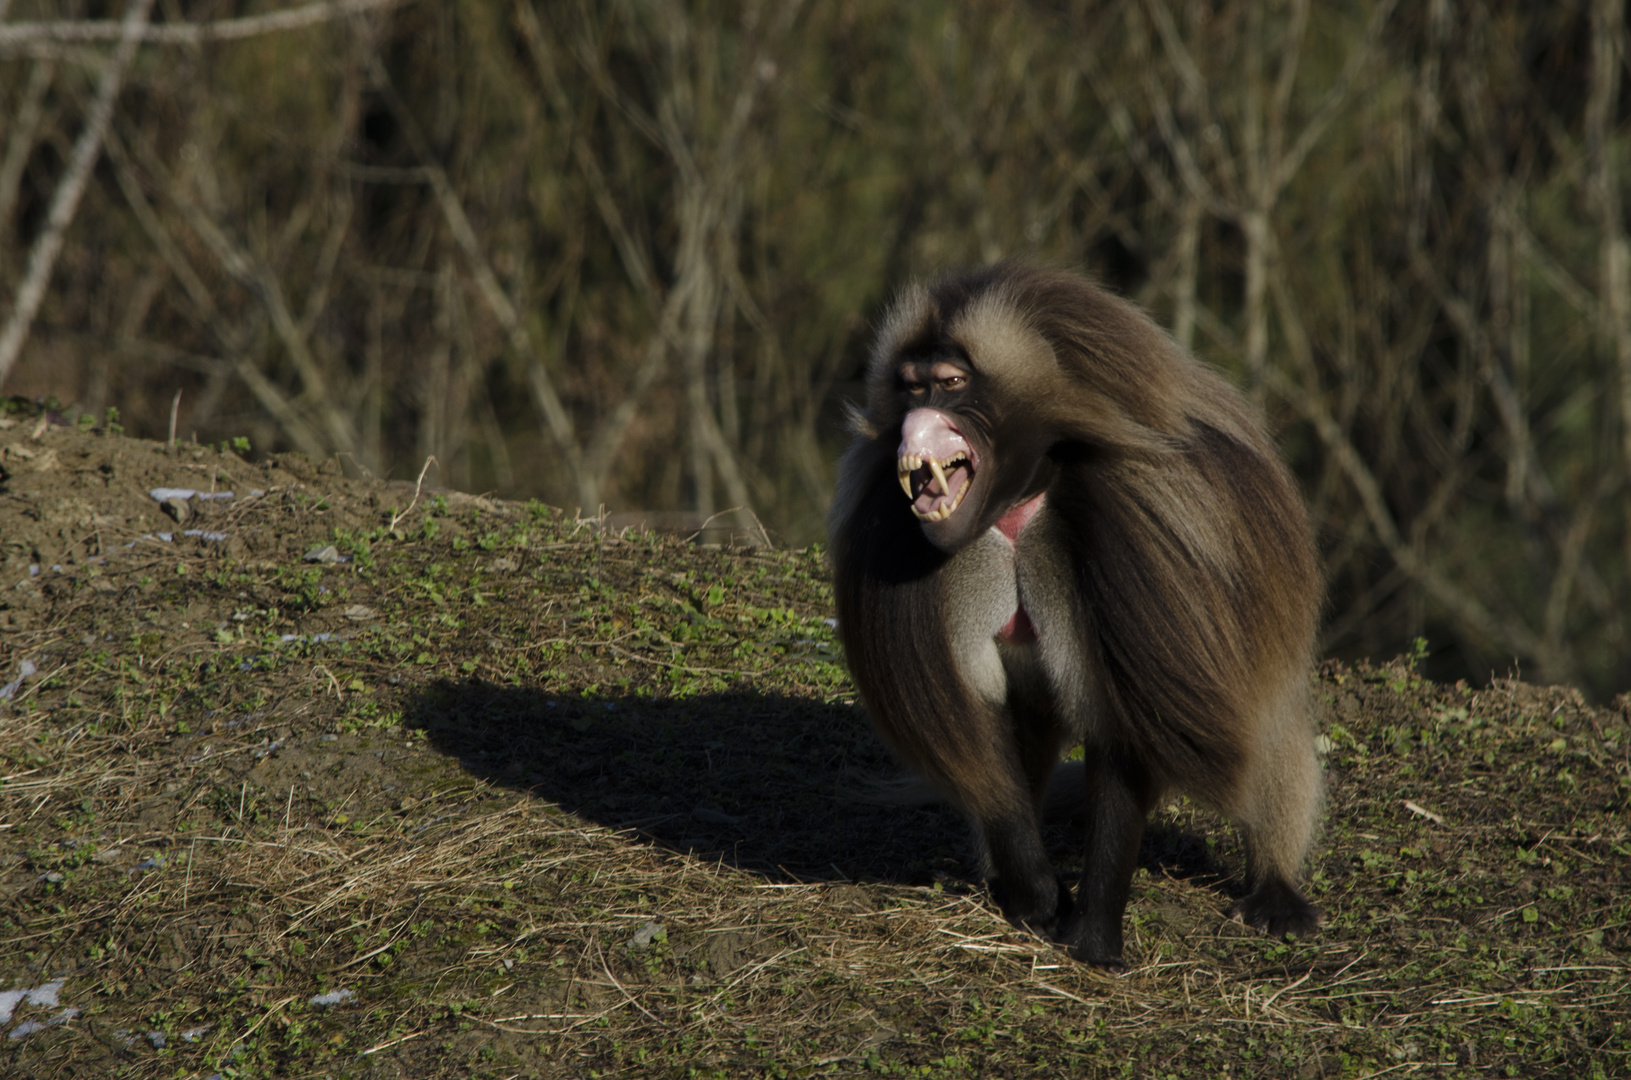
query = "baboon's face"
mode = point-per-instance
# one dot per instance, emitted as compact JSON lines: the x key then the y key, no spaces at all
{"x":967,"y":452}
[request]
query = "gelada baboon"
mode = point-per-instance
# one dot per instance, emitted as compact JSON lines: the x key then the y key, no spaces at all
{"x":1097,"y":544}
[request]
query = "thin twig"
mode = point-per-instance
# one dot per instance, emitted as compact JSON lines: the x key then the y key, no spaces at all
{"x":417,"y":485}
{"x":622,"y":990}
{"x":763,"y":539}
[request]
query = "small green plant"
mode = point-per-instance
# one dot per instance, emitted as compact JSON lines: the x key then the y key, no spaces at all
{"x":1410,"y":664}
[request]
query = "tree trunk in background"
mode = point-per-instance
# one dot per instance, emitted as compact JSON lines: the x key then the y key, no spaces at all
{"x":1614,"y":254}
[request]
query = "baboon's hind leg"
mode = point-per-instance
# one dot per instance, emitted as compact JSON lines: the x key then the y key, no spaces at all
{"x":1277,"y":815}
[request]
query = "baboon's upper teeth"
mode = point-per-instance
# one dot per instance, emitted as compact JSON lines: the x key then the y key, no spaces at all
{"x":940,"y":476}
{"x":936,"y":487}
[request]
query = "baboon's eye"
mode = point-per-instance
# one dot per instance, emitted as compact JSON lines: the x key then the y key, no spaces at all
{"x":954,"y":382}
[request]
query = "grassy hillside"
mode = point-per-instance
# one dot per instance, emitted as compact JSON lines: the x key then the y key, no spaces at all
{"x":482,"y":790}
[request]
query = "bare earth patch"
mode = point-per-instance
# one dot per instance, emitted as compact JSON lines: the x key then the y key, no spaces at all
{"x":481,"y":790}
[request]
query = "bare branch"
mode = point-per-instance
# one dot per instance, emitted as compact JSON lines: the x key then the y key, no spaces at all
{"x":556,"y":417}
{"x":80,"y":31}
{"x":1509,"y":633}
{"x":1285,"y":83}
{"x":1608,"y":46}
{"x":635,"y":261}
{"x":65,"y":202}
{"x":1195,"y":92}
{"x":1326,"y":111}
{"x":254,"y":274}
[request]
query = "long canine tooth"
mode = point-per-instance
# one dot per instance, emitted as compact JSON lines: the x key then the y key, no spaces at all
{"x":940,"y":475}
{"x":906,"y":482}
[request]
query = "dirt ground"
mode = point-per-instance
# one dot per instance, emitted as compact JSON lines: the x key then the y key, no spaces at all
{"x":303,"y":775}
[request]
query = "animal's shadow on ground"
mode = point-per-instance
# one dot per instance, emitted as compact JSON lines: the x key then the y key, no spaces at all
{"x":766,"y":783}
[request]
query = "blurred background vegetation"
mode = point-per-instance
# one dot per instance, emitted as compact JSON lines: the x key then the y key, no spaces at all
{"x":626,"y":253}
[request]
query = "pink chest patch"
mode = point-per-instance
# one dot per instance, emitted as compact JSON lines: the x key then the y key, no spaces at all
{"x":1018,"y":516}
{"x":1018,"y":630}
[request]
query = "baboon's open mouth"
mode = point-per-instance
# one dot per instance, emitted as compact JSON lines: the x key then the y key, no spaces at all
{"x":935,"y":464}
{"x":936,"y":487}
